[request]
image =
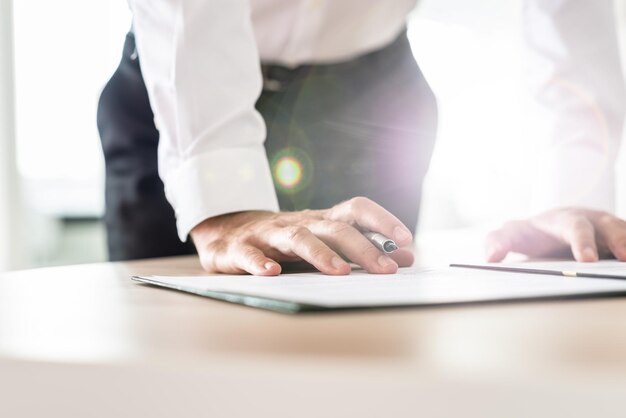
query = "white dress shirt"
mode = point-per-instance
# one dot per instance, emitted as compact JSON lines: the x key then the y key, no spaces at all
{"x":574,"y":69}
{"x":200,"y":61}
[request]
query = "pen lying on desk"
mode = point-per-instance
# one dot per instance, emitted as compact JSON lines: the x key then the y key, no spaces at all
{"x":563,"y":273}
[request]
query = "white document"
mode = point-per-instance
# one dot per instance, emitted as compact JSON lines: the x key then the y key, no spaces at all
{"x":409,"y":287}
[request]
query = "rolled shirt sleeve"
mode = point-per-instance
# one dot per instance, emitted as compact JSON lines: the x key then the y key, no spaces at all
{"x":575,"y":74}
{"x":201,"y":67}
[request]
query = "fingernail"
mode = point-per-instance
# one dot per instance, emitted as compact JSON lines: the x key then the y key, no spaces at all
{"x":385,"y":261}
{"x":337,"y":263}
{"x":401,"y":235}
{"x":589,"y":254}
{"x":269,"y":265}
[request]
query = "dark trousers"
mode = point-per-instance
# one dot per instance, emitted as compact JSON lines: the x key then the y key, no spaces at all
{"x":365,"y":127}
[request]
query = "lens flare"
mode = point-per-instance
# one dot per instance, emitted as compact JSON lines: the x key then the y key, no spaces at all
{"x":288,"y":172}
{"x":292,"y":170}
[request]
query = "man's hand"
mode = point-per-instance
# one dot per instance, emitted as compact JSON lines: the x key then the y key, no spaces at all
{"x":587,"y":234}
{"x":256,"y":242}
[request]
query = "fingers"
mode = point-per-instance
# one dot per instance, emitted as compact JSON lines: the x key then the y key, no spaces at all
{"x":403,"y":257}
{"x":497,"y":246}
{"x":353,"y":245}
{"x":238,"y":259}
{"x":516,"y":236}
{"x":521,"y":237}
{"x":553,"y":233}
{"x":252,"y":260}
{"x":302,"y":242}
{"x":371,"y":216}
{"x":612,"y":230}
{"x":256,"y":242}
{"x":580,"y":234}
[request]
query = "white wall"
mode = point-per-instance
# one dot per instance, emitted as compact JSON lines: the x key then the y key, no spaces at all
{"x":8,"y":178}
{"x":621,"y":161}
{"x":66,"y":50}
{"x":470,"y":52}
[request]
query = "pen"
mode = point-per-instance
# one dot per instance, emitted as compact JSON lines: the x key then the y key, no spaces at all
{"x":542,"y":271}
{"x":381,"y":242}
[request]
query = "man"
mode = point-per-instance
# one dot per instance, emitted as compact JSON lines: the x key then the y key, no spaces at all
{"x":575,"y":73}
{"x":341,"y":108}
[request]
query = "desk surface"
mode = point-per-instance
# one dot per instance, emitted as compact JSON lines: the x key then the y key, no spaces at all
{"x":59,"y":321}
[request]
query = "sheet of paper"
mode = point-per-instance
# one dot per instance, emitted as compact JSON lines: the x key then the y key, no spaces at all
{"x":410,"y":286}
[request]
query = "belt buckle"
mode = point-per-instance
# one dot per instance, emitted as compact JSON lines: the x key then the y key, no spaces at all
{"x":271,"y":82}
{"x":272,"y":85}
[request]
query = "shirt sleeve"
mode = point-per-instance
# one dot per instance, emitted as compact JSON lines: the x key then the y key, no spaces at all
{"x":575,"y":75}
{"x":201,"y":67}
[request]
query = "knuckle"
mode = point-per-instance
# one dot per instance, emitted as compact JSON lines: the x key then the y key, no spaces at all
{"x":566,"y":216}
{"x":297,"y":234}
{"x":369,"y":251}
{"x":337,"y":228}
{"x":309,"y":213}
{"x":250,"y":260}
{"x":319,"y":252}
{"x":210,"y":253}
{"x":249,"y":253}
{"x":358,"y":203}
{"x":215,"y":247}
{"x":606,"y":220}
{"x":279,"y":220}
{"x":598,"y":213}
{"x":275,"y":223}
{"x":594,"y":213}
{"x":579,"y":224}
{"x":620,"y":244}
{"x":570,"y":211}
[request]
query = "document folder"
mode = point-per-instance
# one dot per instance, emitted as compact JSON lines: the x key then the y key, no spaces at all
{"x":409,"y":287}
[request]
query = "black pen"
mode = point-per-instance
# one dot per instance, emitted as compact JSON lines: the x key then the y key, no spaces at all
{"x":563,"y":273}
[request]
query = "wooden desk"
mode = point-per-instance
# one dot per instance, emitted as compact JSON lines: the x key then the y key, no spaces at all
{"x":86,"y":341}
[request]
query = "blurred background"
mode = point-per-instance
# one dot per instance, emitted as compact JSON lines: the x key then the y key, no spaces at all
{"x":65,"y":52}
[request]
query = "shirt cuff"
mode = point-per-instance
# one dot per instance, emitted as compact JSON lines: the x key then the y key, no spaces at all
{"x":219,"y":182}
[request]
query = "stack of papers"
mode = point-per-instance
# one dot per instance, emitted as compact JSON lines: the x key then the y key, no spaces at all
{"x":409,"y":287}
